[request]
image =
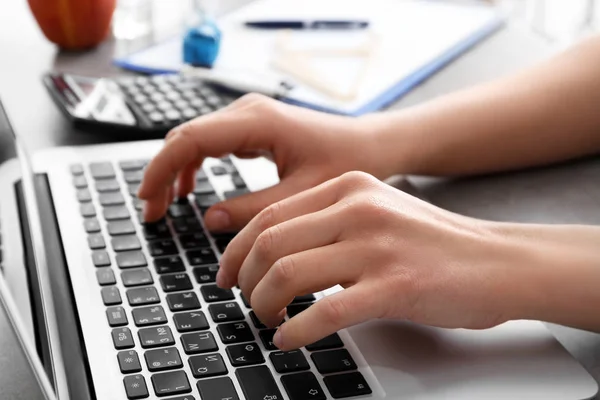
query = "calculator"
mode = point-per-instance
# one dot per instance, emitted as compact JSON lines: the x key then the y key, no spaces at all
{"x":144,"y":107}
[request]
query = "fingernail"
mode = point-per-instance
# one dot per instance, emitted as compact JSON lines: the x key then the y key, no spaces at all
{"x":278,"y":339}
{"x":217,"y":220}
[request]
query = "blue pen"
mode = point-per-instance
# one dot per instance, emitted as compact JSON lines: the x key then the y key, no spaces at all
{"x":317,"y":24}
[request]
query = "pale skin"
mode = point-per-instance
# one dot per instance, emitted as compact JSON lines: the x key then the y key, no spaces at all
{"x":398,"y":257}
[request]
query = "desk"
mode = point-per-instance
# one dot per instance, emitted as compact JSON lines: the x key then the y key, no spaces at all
{"x":567,"y":193}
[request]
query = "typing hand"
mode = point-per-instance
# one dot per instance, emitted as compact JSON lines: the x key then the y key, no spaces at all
{"x":308,"y":148}
{"x":397,"y":257}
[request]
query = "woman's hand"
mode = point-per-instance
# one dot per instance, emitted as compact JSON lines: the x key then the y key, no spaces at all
{"x":308,"y":147}
{"x":397,"y":257}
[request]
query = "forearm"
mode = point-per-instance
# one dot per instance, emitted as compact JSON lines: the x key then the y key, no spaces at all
{"x":546,"y":114}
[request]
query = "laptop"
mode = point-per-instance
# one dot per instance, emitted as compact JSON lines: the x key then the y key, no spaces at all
{"x":110,"y":308}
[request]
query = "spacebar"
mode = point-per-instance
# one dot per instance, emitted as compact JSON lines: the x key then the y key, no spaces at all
{"x":258,"y":384}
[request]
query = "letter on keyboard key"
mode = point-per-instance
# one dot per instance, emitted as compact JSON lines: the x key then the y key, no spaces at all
{"x":149,"y":316}
{"x":143,"y":296}
{"x":225,"y":312}
{"x":169,"y":265}
{"x":111,"y":296}
{"x":245,"y":354}
{"x":217,"y":389}
{"x":330,"y":342}
{"x":116,"y":316}
{"x":328,"y":362}
{"x":129,"y":361}
{"x":136,"y":277}
{"x":126,"y":243}
{"x":303,"y":386}
{"x":175,"y":282}
{"x":156,"y":336}
{"x":135,"y":387}
{"x":122,"y":338}
{"x":170,"y":383}
{"x":289,"y":361}
{"x":207,"y":365}
{"x":258,"y":384}
{"x":131,"y":259}
{"x":212,"y":293}
{"x":190,"y":321}
{"x":347,"y":385}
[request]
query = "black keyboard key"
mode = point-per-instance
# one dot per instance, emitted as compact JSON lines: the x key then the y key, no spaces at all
{"x":201,"y":256}
{"x":126,"y":243}
{"x":289,"y":361}
{"x":206,"y":274}
{"x":105,"y":276}
{"x":116,"y":316}
{"x":168,"y":265}
{"x":257,"y":322}
{"x":84,"y":195}
{"x":207,"y":365}
{"x":218,"y":389}
{"x":183,"y":301}
{"x":177,"y":210}
{"x":111,"y":199}
{"x":111,"y":296}
{"x":87,"y":210}
{"x":133,"y":176}
{"x":303,"y":386}
{"x":76,"y":169}
{"x":307,"y":298}
{"x":149,"y":316}
{"x":163,"y":359}
{"x":143,"y":296}
{"x":156,"y":230}
{"x":102,"y":170}
{"x":222,"y":241}
{"x":328,"y":362}
{"x":238,"y":181}
{"x":218,"y":170}
{"x":203,"y":187}
{"x":295,"y":309}
{"x":91,"y":225}
{"x":131,"y":259}
{"x":156,"y":336}
{"x":170,"y":383}
{"x":258,"y":384}
{"x":236,"y":332}
{"x":190,"y":321}
{"x":245,"y":301}
{"x":129,"y":361}
{"x":266,"y":337}
{"x":231,"y":194}
{"x":132,"y":165}
{"x":160,"y":248}
{"x":200,"y":342}
{"x":186,"y":397}
{"x":121,"y":227}
{"x":226,"y":312}
{"x":107,"y":185}
{"x":96,"y":241}
{"x":100,"y":258}
{"x":329,"y":342}
{"x":187,"y":225}
{"x":347,"y":385}
{"x":122,"y":338}
{"x":245,"y":354}
{"x":114,"y":213}
{"x":212,"y":293}
{"x":175,"y":282}
{"x":135,"y":387}
{"x":136,"y":277}
{"x":193,"y":240}
{"x":205,"y":201}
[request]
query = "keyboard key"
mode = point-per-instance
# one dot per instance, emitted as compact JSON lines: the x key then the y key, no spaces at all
{"x":156,"y":230}
{"x":303,"y":386}
{"x":129,"y":361}
{"x":222,"y":240}
{"x":201,"y":342}
{"x":206,"y":274}
{"x":201,"y":174}
{"x":111,"y":199}
{"x":203,"y":187}
{"x":237,"y":332}
{"x":238,"y":181}
{"x":177,"y":210}
{"x":100,"y":258}
{"x":187,"y":225}
{"x":245,"y":301}
{"x":114,"y":213}
{"x":231,"y":194}
{"x":212,"y":293}
{"x":225,"y":312}
{"x":138,"y":204}
{"x":307,"y":298}
{"x":105,"y":276}
{"x":207,"y":365}
{"x":135,"y":387}
{"x":330,"y":342}
{"x":132,"y":165}
{"x":193,"y":240}
{"x":170,"y":383}
{"x":133,"y":176}
{"x":266,"y":337}
{"x":107,"y":185}
{"x":167,"y":265}
{"x":159,"y":248}
{"x":136,"y":277}
{"x":76,"y":169}
{"x":163,"y":359}
{"x":245,"y":354}
{"x":122,"y":227}
{"x":143,"y":296}
{"x":149,"y":316}
{"x":87,"y":210}
{"x":84,"y":195}
{"x":217,"y":389}
{"x":201,"y":256}
{"x":205,"y":201}
{"x":96,"y":241}
{"x":175,"y":282}
{"x":257,"y":322}
{"x":102,"y":170}
{"x":190,"y":321}
{"x":328,"y":362}
{"x":91,"y":225}
{"x":122,"y":338}
{"x":218,"y":170}
{"x":257,"y":383}
{"x":295,"y":309}
{"x":116,"y":316}
{"x":111,"y":296}
{"x":133,"y":189}
{"x":347,"y":385}
{"x":289,"y":361}
{"x":156,"y":336}
{"x":131,"y":259}
{"x":183,"y":301}
{"x":126,"y":243}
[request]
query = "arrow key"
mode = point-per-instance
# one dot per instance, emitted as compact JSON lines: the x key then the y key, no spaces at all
{"x":303,"y":386}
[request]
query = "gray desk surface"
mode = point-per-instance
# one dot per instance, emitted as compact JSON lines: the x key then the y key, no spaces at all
{"x":567,"y":193}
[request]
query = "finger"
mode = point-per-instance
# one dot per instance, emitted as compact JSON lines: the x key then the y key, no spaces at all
{"x":170,"y":195}
{"x":154,"y":209}
{"x":187,"y":179}
{"x":302,"y":273}
{"x":351,"y":306}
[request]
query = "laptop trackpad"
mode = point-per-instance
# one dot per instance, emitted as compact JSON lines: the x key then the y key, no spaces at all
{"x":519,"y":359}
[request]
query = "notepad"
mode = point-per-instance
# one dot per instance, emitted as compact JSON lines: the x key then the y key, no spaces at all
{"x":408,"y":42}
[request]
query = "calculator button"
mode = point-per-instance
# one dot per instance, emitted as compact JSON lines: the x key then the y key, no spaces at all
{"x":173,"y":115}
{"x":163,"y":359}
{"x":170,"y":383}
{"x":135,"y":387}
{"x":201,"y":342}
{"x":347,"y":385}
{"x":149,"y":316}
{"x":116,"y":316}
{"x":122,"y":338}
{"x":207,"y":365}
{"x":181,"y":104}
{"x":303,"y":386}
{"x":172,"y":95}
{"x":149,"y":107}
{"x":226,"y":312}
{"x":289,"y":361}
{"x":212,"y":293}
{"x":136,"y":277}
{"x":189,"y":113}
{"x":164,"y":105}
{"x":131,"y":259}
{"x":156,"y":117}
{"x":142,"y":296}
{"x":156,"y":336}
{"x":129,"y":361}
{"x":190,"y":321}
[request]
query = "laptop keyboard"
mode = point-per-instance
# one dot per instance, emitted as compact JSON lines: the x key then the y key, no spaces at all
{"x":151,"y":334}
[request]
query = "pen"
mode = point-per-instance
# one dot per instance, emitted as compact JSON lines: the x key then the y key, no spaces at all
{"x":316,"y":24}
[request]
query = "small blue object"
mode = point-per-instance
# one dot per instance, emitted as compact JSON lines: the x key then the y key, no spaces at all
{"x":201,"y":44}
